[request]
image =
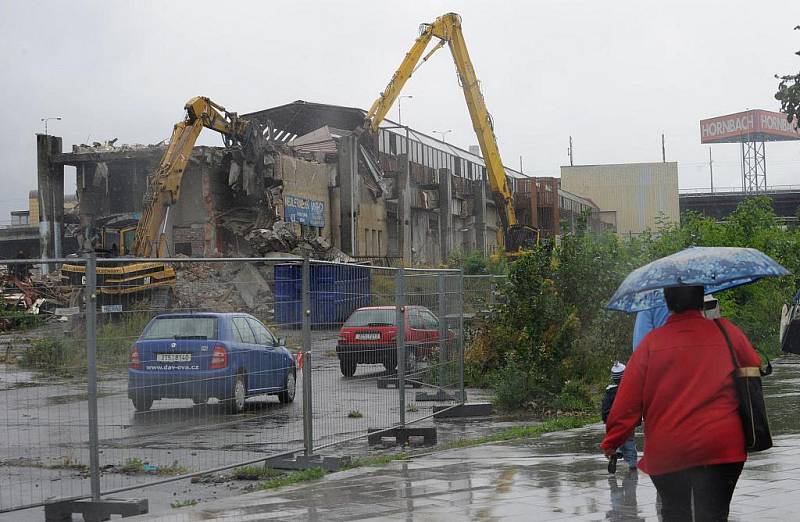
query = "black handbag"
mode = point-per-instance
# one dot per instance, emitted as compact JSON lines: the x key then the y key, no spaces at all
{"x":752,"y":409}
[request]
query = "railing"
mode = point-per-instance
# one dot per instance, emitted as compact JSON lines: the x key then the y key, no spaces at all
{"x":705,"y":191}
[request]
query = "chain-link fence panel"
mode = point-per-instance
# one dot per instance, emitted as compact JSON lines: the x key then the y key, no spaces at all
{"x":353,"y":323}
{"x":481,"y":292}
{"x":386,"y":344}
{"x":135,"y":372}
{"x":433,"y":342}
{"x":43,"y":386}
{"x":198,"y":373}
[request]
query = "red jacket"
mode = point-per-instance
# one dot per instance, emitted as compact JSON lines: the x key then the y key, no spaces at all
{"x":679,"y":380}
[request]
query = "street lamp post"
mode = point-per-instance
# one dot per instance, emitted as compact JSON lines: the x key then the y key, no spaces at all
{"x":399,"y":114}
{"x":45,"y":120}
{"x":443,"y":133}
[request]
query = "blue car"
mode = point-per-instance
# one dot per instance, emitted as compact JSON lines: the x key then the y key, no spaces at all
{"x":197,"y":356}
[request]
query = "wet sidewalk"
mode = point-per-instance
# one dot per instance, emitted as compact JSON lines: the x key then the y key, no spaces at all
{"x":560,"y":476}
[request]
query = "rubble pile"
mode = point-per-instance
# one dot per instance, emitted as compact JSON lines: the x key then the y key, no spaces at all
{"x":109,"y":146}
{"x":225,"y":287}
{"x":281,"y":238}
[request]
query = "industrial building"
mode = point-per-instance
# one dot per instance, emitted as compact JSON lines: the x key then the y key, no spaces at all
{"x":634,"y":197}
{"x":399,"y":194}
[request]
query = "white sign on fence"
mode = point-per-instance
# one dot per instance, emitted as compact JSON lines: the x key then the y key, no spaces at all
{"x":111,"y":309}
{"x":72,"y":310}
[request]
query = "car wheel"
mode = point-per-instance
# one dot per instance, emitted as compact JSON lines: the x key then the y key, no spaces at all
{"x":142,"y":403}
{"x":235,"y":404}
{"x":348,"y":367}
{"x":289,"y":388}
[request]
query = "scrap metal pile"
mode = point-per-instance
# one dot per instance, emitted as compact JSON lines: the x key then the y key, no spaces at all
{"x":34,"y":294}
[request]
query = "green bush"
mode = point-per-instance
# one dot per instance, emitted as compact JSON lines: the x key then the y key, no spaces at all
{"x":18,"y":320}
{"x":550,"y":341}
{"x":66,"y":356}
{"x":50,"y":355}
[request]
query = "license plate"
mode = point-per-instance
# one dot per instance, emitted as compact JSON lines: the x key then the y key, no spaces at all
{"x":368,"y":336}
{"x":173,"y":357}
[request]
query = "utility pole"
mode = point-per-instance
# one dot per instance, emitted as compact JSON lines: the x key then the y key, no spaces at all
{"x":569,"y":151}
{"x":711,"y":168}
{"x":663,"y":149}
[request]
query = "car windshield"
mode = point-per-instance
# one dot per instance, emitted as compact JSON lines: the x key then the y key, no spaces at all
{"x":181,"y":328}
{"x":372,"y":317}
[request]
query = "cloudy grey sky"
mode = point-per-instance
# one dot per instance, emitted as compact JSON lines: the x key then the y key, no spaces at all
{"x":613,"y":74}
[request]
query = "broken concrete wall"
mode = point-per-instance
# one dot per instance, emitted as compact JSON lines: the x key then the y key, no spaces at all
{"x":371,"y":224}
{"x":306,"y":185}
{"x":50,"y":177}
{"x":425,"y":237}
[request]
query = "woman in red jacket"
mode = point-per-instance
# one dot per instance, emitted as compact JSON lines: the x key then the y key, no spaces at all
{"x":680,"y":381}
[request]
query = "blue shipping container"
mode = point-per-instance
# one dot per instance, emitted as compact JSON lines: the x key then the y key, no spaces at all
{"x":336,"y":291}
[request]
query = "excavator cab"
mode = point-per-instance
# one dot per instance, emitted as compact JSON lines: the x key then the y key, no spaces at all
{"x":118,"y":239}
{"x":521,"y":238}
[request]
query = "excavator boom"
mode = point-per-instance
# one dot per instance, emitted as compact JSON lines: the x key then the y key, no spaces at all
{"x":447,"y":28}
{"x":163,"y":186}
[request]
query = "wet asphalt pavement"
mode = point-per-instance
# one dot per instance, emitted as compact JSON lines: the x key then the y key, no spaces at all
{"x":560,"y":476}
{"x":44,"y":431}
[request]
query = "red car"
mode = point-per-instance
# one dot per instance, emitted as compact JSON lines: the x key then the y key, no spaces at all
{"x":369,"y":337}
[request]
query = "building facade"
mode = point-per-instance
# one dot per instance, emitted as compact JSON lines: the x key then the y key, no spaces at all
{"x":636,"y":196}
{"x":397,"y":194}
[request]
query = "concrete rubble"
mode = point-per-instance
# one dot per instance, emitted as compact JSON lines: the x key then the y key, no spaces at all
{"x":108,"y":146}
{"x":225,"y":287}
{"x":281,"y":238}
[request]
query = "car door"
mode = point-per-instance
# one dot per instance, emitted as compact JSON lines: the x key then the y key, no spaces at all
{"x":415,"y":331}
{"x":431,"y":330}
{"x":252,"y":356}
{"x":274,"y":371}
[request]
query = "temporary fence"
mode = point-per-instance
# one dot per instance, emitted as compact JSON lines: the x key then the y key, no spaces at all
{"x":155,"y":370}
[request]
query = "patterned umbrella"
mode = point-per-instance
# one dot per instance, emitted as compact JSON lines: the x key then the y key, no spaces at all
{"x":715,"y":268}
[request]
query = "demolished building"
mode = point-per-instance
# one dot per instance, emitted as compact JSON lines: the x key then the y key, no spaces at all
{"x":399,"y":195}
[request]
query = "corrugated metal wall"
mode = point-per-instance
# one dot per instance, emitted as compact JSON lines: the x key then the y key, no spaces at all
{"x":638,"y":192}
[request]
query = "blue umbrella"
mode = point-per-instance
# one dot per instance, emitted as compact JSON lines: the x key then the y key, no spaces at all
{"x":715,"y":268}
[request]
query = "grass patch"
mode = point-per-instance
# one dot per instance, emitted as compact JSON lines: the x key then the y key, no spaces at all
{"x":18,"y":320}
{"x":378,"y":460}
{"x":68,"y":462}
{"x":254,"y":473}
{"x":293,"y":478}
{"x":136,"y":465}
{"x":183,"y":503}
{"x":355,"y":414}
{"x":527,"y":432}
{"x":66,"y":356}
{"x":133,"y":465}
{"x":172,"y":469}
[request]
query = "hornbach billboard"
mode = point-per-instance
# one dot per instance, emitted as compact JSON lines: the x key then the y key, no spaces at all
{"x":754,"y":125}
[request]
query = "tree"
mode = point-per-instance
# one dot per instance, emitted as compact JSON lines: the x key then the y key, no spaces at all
{"x":789,"y":92}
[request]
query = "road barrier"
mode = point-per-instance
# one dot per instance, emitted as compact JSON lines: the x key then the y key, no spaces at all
{"x":241,"y":361}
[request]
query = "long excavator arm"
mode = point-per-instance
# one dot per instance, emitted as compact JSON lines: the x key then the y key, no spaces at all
{"x":447,"y":28}
{"x":163,"y":186}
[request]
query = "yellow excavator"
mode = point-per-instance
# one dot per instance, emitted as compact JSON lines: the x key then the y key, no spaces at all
{"x":163,"y":191}
{"x":513,"y":236}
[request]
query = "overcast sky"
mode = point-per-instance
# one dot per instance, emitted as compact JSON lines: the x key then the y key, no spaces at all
{"x":613,"y":74}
